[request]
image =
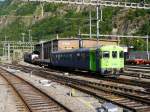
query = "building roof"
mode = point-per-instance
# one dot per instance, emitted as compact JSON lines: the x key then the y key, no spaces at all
{"x":62,"y":39}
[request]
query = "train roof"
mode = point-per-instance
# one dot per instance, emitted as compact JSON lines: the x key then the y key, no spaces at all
{"x":111,"y":47}
{"x":72,"y":50}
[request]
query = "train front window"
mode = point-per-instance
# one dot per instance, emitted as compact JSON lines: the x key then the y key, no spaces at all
{"x":121,"y":54}
{"x":105,"y":54}
{"x":114,"y":54}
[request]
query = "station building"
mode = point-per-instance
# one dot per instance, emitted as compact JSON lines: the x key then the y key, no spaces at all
{"x":44,"y":48}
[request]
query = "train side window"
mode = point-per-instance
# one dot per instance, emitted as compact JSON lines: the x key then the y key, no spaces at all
{"x":78,"y":56}
{"x":121,"y":54}
{"x":70,"y":56}
{"x":83,"y":56}
{"x":100,"y":54}
{"x":54,"y":57}
{"x":106,"y":54}
{"x":63,"y":56}
{"x":66,"y":58}
{"x":114,"y":54}
{"x":58,"y":56}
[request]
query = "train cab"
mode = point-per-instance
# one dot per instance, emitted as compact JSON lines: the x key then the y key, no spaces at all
{"x":111,"y":60}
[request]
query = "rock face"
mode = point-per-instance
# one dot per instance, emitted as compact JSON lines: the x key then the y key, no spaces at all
{"x":129,"y":22}
{"x":69,"y":19}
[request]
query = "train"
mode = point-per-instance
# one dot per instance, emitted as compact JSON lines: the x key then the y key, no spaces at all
{"x":137,"y":58}
{"x":31,"y":57}
{"x":107,"y":60}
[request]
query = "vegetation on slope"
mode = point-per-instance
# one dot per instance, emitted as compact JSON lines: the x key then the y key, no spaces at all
{"x":67,"y":20}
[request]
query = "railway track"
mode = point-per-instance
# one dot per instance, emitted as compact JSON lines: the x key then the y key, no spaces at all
{"x":134,"y":82}
{"x":138,"y":75}
{"x":143,"y":69}
{"x":123,"y":96}
{"x":138,"y":71}
{"x":9,"y":97}
{"x":139,"y":66}
{"x":34,"y":98}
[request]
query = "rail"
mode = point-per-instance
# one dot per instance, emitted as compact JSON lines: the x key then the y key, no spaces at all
{"x":34,"y":98}
{"x":126,"y":97}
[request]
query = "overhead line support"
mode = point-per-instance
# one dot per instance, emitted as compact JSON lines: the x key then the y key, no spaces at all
{"x":99,"y":3}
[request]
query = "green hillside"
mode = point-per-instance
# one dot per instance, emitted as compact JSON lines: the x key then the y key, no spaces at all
{"x":66,"y":20}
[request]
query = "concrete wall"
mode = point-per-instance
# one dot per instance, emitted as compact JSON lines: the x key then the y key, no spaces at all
{"x":74,"y":44}
{"x":68,"y":44}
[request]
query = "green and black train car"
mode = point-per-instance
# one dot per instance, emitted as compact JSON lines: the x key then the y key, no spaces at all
{"x":106,"y":60}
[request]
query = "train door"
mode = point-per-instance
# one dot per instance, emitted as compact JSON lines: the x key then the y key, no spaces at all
{"x":92,"y":60}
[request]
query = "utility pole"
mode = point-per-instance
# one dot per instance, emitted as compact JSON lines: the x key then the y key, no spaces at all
{"x":80,"y":39}
{"x":8,"y":45}
{"x":51,"y":45}
{"x":30,"y":39}
{"x":101,"y":19}
{"x":23,"y":34}
{"x":97,"y":13}
{"x":42,"y":9}
{"x":147,"y":39}
{"x":5,"y":51}
{"x":90,"y":24}
{"x":101,"y":13}
{"x":42,"y":50}
{"x":29,"y":35}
